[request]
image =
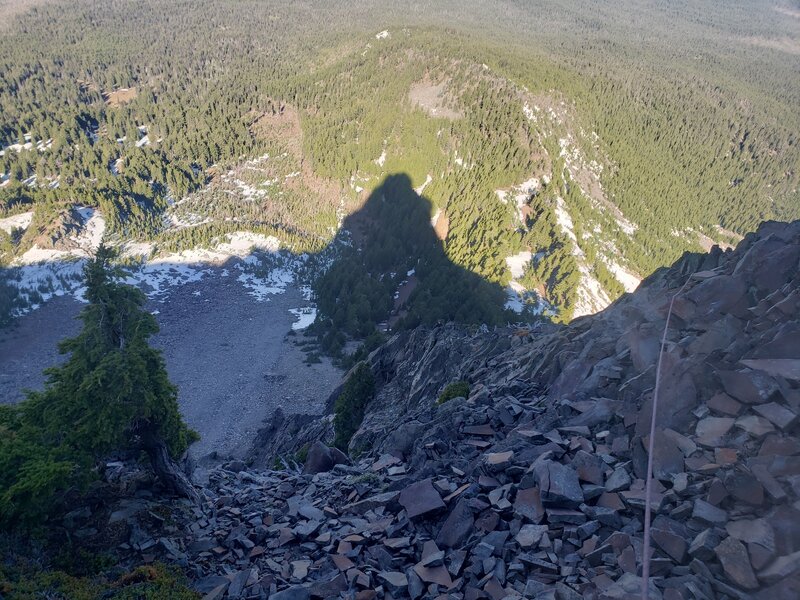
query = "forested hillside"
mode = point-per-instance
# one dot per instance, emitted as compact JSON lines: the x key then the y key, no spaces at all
{"x":564,"y":152}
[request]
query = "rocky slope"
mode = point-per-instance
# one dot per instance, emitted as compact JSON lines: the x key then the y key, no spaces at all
{"x":534,"y":485}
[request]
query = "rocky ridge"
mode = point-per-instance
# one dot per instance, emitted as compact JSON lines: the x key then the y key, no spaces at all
{"x":533,"y":486}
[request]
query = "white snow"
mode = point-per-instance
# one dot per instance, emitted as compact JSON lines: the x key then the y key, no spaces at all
{"x":20,"y":221}
{"x":382,"y":35}
{"x":381,"y":160}
{"x":242,"y":242}
{"x":174,"y":221}
{"x":39,"y":283}
{"x":435,"y":217}
{"x":140,"y":250}
{"x":591,"y":297}
{"x":514,"y":299}
{"x":20,"y":147}
{"x":261,"y":288}
{"x":305,"y":317}
{"x":564,"y":219}
{"x":628,"y":280}
{"x":529,"y":113}
{"x":145,"y":141}
{"x":159,"y":276}
{"x":517,"y":263}
{"x":86,"y":241}
{"x":576,"y":161}
{"x":518,"y":298}
{"x":50,"y":272}
{"x":521,"y":193}
{"x":94,"y":226}
{"x":38,"y":255}
{"x":421,"y":188}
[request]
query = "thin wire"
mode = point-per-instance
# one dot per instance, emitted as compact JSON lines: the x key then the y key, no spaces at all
{"x":649,"y":476}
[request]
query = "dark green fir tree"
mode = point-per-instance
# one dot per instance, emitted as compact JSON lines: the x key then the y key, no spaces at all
{"x":112,"y":396}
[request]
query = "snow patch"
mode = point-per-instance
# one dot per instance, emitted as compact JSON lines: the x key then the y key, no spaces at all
{"x":518,"y":298}
{"x":86,"y":242}
{"x":20,"y":221}
{"x":591,"y":297}
{"x":382,"y":35}
{"x":564,"y":220}
{"x":137,"y":250}
{"x":628,"y":280}
{"x":262,"y":287}
{"x":94,"y":226}
{"x":421,"y":188}
{"x":242,"y":243}
{"x":521,"y":194}
{"x":381,"y":160}
{"x":305,"y":317}
{"x":38,"y":283}
{"x":517,"y":263}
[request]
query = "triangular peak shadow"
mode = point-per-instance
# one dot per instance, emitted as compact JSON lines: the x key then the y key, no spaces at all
{"x":393,"y":272}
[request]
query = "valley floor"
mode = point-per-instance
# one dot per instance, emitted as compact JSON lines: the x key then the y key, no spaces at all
{"x":227,"y":352}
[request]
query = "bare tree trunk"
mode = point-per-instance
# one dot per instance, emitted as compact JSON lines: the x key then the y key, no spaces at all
{"x":167,"y":470}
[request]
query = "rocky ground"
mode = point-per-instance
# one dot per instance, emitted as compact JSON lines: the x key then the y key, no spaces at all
{"x":533,"y":487}
{"x":29,"y":346}
{"x":228,"y":353}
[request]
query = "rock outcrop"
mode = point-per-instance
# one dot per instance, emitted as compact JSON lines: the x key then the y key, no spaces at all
{"x":533,"y":486}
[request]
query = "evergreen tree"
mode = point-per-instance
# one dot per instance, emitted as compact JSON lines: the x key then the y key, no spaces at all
{"x":111,"y":396}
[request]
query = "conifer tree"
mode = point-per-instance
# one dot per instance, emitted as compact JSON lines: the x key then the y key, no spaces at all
{"x":112,"y":395}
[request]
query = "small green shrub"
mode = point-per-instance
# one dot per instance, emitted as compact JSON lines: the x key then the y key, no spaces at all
{"x":457,"y":389}
{"x":348,"y":412}
{"x":301,"y":455}
{"x":364,"y":478}
{"x":154,"y":582}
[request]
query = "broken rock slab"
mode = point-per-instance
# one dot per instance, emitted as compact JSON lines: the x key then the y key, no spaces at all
{"x":558,"y":485}
{"x":420,"y":499}
{"x":736,"y":564}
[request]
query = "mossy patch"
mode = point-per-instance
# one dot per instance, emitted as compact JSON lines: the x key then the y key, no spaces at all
{"x":457,"y":389}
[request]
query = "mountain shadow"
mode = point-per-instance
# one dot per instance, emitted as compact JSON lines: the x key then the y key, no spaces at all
{"x":391,"y":272}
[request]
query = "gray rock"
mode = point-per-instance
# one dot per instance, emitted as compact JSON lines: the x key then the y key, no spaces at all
{"x":296,"y":592}
{"x":457,"y":526}
{"x":708,"y":513}
{"x":750,"y":387}
{"x":736,"y":564}
{"x":618,"y":481}
{"x":558,"y":484}
{"x":782,"y":568}
{"x":321,"y":458}
{"x":395,"y":581}
{"x":238,"y":582}
{"x":530,"y":535}
{"x":420,"y":499}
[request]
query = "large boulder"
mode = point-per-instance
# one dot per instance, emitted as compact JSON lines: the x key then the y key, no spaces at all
{"x":322,"y":459}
